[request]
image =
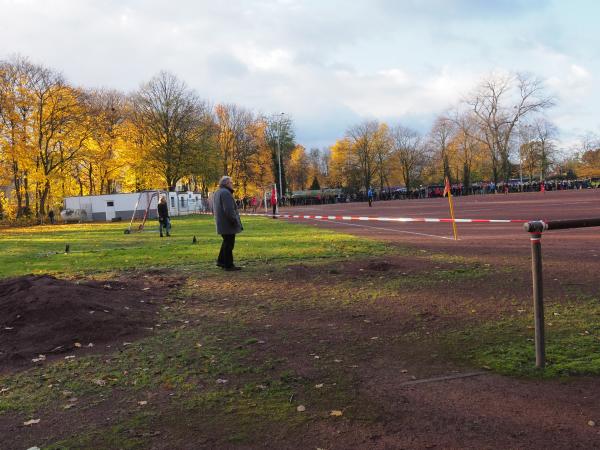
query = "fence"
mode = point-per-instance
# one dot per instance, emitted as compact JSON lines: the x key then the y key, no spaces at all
{"x":535,"y":229}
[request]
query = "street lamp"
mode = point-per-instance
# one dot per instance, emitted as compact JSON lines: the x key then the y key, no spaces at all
{"x":279,"y":151}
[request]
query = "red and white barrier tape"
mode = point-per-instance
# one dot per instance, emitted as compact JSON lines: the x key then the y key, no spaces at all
{"x":383,"y":219}
{"x":398,"y":219}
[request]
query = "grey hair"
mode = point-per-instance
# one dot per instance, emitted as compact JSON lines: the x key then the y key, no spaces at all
{"x":223,"y":181}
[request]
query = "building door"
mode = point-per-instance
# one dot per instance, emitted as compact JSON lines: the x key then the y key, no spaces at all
{"x":110,"y":211}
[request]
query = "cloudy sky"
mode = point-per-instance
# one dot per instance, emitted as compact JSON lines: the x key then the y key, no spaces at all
{"x":327,"y":63}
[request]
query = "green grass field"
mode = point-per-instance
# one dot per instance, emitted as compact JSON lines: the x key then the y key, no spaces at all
{"x":101,"y":247}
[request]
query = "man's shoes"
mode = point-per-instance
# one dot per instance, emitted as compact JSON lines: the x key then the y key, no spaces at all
{"x":232,"y":268}
{"x":161,"y":235}
{"x":168,"y":234}
{"x":220,"y":265}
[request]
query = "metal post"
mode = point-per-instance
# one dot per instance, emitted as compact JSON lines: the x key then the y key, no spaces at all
{"x":538,"y":298}
{"x":279,"y":157}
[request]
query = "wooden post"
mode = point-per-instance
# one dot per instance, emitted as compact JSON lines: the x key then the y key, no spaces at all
{"x":538,"y":298}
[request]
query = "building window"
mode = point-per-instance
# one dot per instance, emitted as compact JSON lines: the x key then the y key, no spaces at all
{"x":110,"y":203}
{"x":172,"y":202}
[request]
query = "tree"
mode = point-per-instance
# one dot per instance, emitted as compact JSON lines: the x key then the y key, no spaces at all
{"x":174,"y":122}
{"x":298,"y":168}
{"x":441,"y":134}
{"x":279,"y":135}
{"x":497,"y":105}
{"x":363,"y":139}
{"x":315,"y":186}
{"x":468,"y":148}
{"x":409,"y":152}
{"x":60,"y":127}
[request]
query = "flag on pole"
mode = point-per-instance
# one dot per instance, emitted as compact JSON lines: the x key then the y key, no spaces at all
{"x":448,"y":192}
{"x":447,"y":188}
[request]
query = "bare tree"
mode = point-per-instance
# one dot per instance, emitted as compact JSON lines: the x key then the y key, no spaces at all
{"x":410,"y":153}
{"x":279,"y":136}
{"x":467,"y":146}
{"x":441,"y":134}
{"x":363,"y":138}
{"x":498,"y":105}
{"x":545,"y":134}
{"x":175,"y":124}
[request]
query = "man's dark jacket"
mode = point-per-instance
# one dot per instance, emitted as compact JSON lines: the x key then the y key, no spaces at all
{"x":226,"y":213}
{"x":163,"y":211}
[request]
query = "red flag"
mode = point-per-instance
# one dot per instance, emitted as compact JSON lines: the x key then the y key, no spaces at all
{"x":447,"y":189}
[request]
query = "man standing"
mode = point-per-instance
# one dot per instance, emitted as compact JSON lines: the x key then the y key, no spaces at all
{"x":228,"y":222}
{"x":370,"y":196}
{"x":164,"y":220}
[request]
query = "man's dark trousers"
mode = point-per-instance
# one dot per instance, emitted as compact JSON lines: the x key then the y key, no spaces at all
{"x":226,"y":253}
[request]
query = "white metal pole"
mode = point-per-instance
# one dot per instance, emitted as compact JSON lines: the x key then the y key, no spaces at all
{"x":279,"y":156}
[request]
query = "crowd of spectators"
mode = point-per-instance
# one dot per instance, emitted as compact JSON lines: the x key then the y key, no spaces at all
{"x":430,"y":191}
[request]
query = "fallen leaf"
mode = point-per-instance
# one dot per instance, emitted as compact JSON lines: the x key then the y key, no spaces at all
{"x":3,"y":390}
{"x":301,"y":408}
{"x":31,"y":422}
{"x":222,"y":381}
{"x":68,"y":406}
{"x":591,"y":423}
{"x":336,"y":413}
{"x":319,"y":386}
{"x":99,"y":382}
{"x":142,"y":402}
{"x":70,"y":357}
{"x":77,"y":344}
{"x":39,"y":358}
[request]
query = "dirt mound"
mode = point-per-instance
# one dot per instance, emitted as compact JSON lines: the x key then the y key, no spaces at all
{"x":42,"y":315}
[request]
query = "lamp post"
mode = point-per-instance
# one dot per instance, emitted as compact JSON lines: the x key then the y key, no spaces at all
{"x":279,"y":152}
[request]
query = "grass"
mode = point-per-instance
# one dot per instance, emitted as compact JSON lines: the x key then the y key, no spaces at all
{"x":506,"y":346}
{"x":101,"y":247}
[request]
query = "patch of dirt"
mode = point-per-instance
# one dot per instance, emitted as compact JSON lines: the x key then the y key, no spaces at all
{"x":43,"y":315}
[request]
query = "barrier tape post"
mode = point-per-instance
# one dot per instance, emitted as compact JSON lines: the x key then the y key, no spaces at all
{"x":535,"y":230}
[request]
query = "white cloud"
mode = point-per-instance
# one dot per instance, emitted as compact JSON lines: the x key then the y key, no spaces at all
{"x":327,"y":63}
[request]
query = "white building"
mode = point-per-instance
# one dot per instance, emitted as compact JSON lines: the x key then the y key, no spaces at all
{"x":114,"y":207}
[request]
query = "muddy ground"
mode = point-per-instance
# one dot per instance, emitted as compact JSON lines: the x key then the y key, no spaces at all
{"x":343,"y":338}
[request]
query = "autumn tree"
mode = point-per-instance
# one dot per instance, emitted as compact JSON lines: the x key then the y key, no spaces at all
{"x":298,"y":168}
{"x":365,"y":142}
{"x":174,"y":122}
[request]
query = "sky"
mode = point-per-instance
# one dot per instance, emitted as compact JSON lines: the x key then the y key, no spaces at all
{"x":328,"y":64}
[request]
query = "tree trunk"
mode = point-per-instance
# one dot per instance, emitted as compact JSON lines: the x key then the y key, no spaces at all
{"x":17,"y":183}
{"x":43,"y":199}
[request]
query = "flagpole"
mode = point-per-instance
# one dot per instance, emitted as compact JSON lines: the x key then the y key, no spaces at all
{"x":448,"y":190}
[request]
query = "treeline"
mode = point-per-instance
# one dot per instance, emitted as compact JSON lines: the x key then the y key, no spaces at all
{"x":498,"y":132}
{"x":58,"y":140}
